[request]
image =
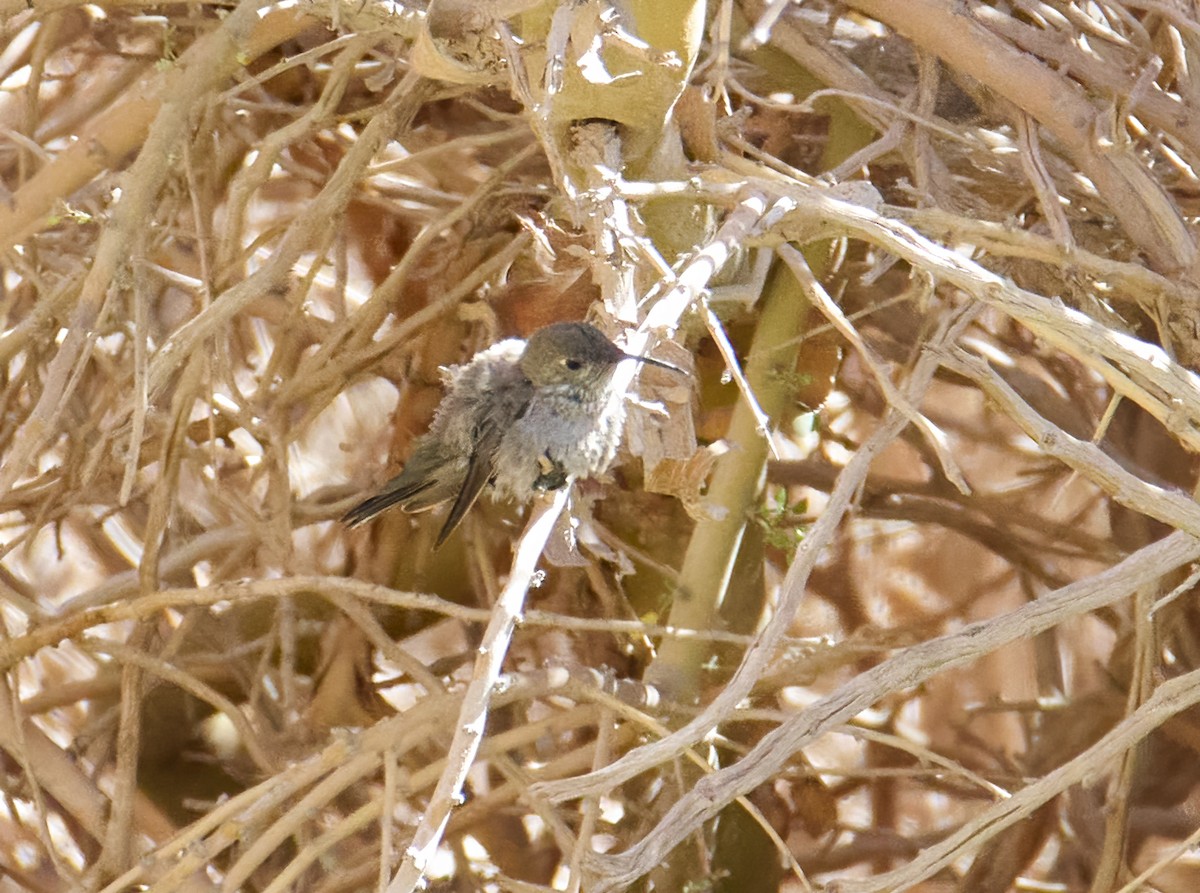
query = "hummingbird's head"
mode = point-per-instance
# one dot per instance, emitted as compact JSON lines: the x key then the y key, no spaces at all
{"x":570,"y":353}
{"x":575,"y":355}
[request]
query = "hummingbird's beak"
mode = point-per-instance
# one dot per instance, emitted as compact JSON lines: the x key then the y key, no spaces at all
{"x":659,"y":363}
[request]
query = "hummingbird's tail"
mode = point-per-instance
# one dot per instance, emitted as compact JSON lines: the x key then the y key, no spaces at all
{"x":397,"y":491}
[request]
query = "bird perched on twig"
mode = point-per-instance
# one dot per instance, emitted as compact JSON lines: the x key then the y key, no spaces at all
{"x":522,"y":416}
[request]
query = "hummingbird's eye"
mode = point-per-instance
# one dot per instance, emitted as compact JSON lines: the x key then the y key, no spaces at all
{"x":573,"y":364}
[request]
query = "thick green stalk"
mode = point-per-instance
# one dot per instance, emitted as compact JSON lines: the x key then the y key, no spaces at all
{"x":737,"y":479}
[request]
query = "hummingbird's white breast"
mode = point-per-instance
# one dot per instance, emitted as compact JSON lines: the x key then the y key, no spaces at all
{"x":578,"y":437}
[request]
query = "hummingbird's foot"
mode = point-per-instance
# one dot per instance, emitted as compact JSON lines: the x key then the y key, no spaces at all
{"x":553,"y":476}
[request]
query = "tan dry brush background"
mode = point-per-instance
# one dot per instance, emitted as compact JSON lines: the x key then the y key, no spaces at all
{"x":238,"y":242}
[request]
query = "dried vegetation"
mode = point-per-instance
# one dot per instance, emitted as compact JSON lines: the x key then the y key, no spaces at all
{"x":938,"y":631}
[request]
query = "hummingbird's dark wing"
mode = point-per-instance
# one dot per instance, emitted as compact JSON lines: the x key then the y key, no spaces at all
{"x":506,"y":404}
{"x":480,"y":469}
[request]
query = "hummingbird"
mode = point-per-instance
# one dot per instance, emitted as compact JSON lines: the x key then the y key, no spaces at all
{"x":521,"y":416}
